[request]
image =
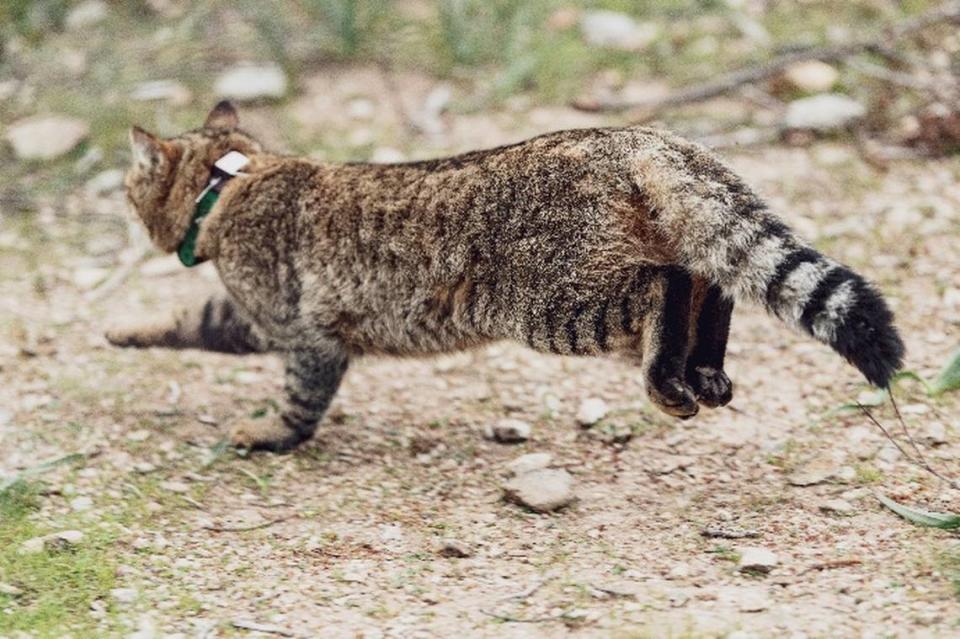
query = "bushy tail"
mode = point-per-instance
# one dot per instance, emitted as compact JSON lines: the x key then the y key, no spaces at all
{"x":725,"y":234}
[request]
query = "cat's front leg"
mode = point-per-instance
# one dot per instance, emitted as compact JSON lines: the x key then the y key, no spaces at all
{"x":216,"y":324}
{"x":311,"y":380}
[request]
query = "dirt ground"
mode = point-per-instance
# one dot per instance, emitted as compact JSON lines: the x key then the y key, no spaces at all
{"x":351,"y":525}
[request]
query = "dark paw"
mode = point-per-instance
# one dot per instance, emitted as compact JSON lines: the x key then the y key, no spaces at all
{"x":711,"y":386}
{"x":673,"y":396}
{"x":269,"y":435}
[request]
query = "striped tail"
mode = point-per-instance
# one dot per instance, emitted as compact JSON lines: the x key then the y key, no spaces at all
{"x":725,"y":234}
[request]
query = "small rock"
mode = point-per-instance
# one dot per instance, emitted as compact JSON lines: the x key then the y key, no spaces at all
{"x":591,"y":411}
{"x":530,"y":462}
{"x":508,"y":431}
{"x":104,"y":182}
{"x":812,"y":76}
{"x":617,"y":30}
{"x":163,"y":90}
{"x":32,"y":546}
{"x":823,"y":112}
{"x":79,"y":504}
{"x":87,"y":277}
{"x":46,"y":137}
{"x":175,"y":486}
{"x":543,"y":490}
{"x":756,"y":559}
{"x":144,"y":467}
{"x":387,"y":155}
{"x":837,"y":506}
{"x":9,"y":590}
{"x":124,"y":595}
{"x":680,"y":571}
{"x":811,"y":474}
{"x":935,"y":434}
{"x":249,"y":83}
{"x":71,"y":537}
{"x":139,"y":435}
{"x":454,"y":548}
{"x":672,"y":463}
{"x":86,"y":14}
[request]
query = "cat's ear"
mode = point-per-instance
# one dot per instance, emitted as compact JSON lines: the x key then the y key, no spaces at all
{"x":223,"y":116}
{"x":147,"y":149}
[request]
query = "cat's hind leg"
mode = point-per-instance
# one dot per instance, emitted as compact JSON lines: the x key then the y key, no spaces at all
{"x":665,"y":340}
{"x":311,"y":379}
{"x":705,"y":363}
{"x":214,"y":325}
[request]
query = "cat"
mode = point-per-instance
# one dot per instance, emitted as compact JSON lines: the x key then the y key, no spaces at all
{"x":580,"y":242}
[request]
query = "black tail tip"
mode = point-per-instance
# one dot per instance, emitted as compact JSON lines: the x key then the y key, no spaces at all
{"x":868,"y":338}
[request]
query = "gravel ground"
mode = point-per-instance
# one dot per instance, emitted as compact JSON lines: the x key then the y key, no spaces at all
{"x":393,"y":523}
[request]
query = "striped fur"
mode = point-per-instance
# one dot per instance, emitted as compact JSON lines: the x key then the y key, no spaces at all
{"x":577,"y":243}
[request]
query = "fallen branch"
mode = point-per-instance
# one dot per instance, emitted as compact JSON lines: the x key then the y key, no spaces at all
{"x":948,"y":12}
{"x":729,"y":533}
{"x":244,"y":624}
{"x":264,"y":524}
{"x":834,"y":563}
{"x":118,"y":277}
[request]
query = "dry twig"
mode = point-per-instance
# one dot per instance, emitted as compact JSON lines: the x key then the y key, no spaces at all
{"x":948,"y":12}
{"x":263,"y":524}
{"x":246,"y":624}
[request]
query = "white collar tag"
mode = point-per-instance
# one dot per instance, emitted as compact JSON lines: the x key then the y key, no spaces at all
{"x":223,"y":169}
{"x":232,"y":162}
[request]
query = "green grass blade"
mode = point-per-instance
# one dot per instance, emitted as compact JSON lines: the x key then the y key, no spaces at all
{"x":944,"y":521}
{"x":949,"y":377}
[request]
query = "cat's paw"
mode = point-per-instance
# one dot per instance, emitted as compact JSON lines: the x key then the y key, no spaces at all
{"x":711,"y":386}
{"x":123,"y":337}
{"x":265,"y":434}
{"x":673,"y":396}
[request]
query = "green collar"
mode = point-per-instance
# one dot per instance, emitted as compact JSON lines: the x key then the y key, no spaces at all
{"x":224,"y":169}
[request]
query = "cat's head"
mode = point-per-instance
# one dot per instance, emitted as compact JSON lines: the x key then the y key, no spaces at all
{"x":167,"y":174}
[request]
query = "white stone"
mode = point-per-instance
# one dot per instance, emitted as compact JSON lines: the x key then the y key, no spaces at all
{"x":104,"y":182}
{"x":812,"y":76}
{"x":86,"y":14}
{"x":508,"y":431}
{"x":837,"y":506}
{"x":162,"y":90}
{"x":543,"y":490}
{"x":591,"y":411}
{"x":617,"y":30}
{"x":387,"y":155}
{"x":79,"y":504}
{"x":530,"y":462}
{"x":823,"y":112}
{"x":87,"y":277}
{"x":124,"y":595}
{"x":46,"y":137}
{"x":757,"y":559}
{"x":250,"y":83}
{"x":935,"y":434}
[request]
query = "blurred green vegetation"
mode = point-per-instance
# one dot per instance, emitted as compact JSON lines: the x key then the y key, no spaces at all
{"x":492,"y":50}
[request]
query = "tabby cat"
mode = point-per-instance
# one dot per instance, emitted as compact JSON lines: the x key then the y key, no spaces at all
{"x":582,"y":242}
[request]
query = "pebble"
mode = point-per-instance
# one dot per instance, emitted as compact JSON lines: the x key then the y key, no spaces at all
{"x":757,"y":559}
{"x":249,"y":83}
{"x":46,"y":137}
{"x":530,"y":462}
{"x":52,"y":542}
{"x":811,"y":474}
{"x":543,"y":490}
{"x":79,"y":504}
{"x":812,"y":76}
{"x":10,"y":590}
{"x":591,"y":411}
{"x":508,"y":431}
{"x":175,"y":486}
{"x":823,"y":112}
{"x":617,"y":30}
{"x":935,"y":434}
{"x":454,"y":548}
{"x":86,"y":14}
{"x":124,"y":595}
{"x":104,"y":182}
{"x":837,"y":506}
{"x":87,"y":277}
{"x":162,"y":90}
